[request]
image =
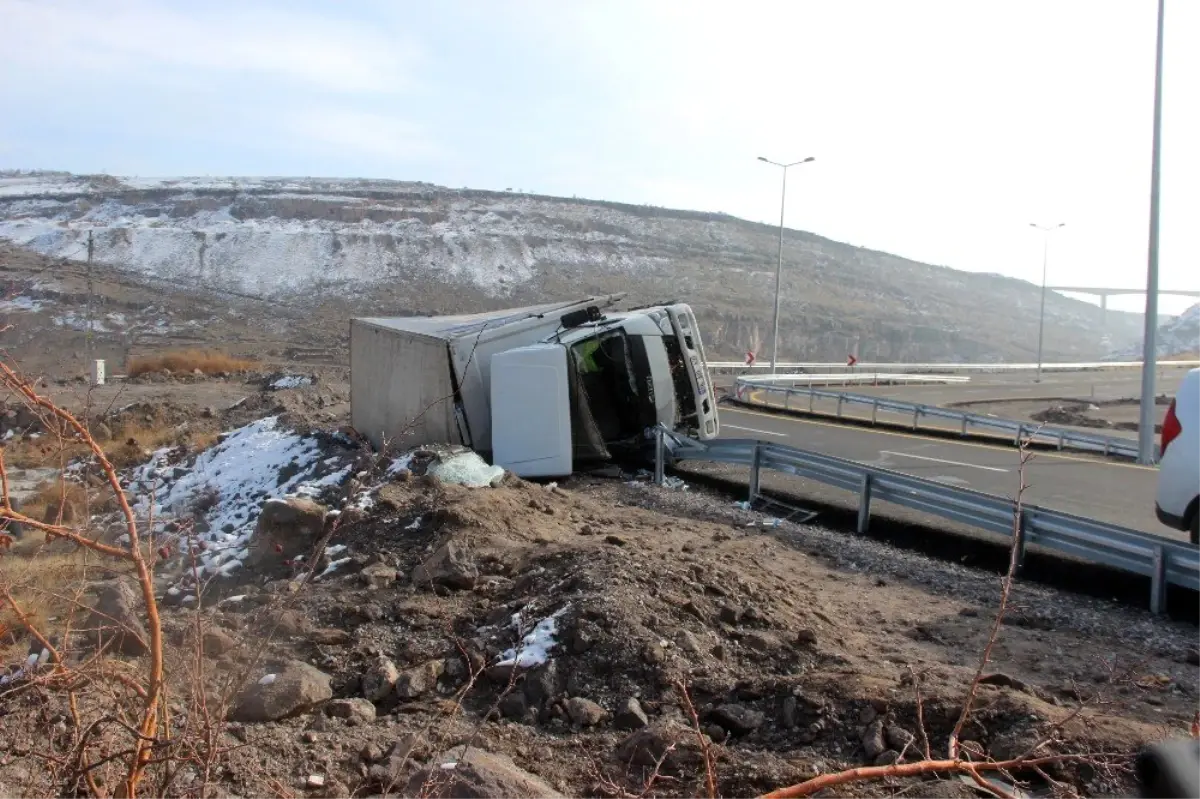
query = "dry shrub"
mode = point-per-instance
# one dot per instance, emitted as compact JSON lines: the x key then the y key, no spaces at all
{"x":210,"y":362}
{"x":128,"y":447}
{"x":40,"y":576}
{"x":52,"y":496}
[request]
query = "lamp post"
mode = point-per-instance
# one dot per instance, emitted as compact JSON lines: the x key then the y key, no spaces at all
{"x":1046,"y":231}
{"x":779,"y":266}
{"x":1147,"y":412}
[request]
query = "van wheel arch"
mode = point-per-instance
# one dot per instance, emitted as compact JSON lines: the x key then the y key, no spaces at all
{"x":1192,"y":518}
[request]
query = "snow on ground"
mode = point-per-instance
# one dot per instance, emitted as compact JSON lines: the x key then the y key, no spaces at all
{"x":20,"y":303}
{"x":291,"y":381}
{"x":534,"y":649}
{"x":268,"y":236}
{"x":226,"y":485}
{"x":218,"y":494}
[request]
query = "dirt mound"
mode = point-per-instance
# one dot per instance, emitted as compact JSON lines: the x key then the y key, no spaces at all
{"x":568,"y":632}
{"x":585,"y":619}
{"x":1074,"y":414}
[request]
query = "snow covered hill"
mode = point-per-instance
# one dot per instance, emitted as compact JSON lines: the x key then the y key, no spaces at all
{"x":414,"y":247}
{"x":1181,"y":335}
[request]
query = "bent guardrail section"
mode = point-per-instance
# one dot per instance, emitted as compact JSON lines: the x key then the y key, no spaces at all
{"x":1052,"y":436}
{"x":1165,"y":562}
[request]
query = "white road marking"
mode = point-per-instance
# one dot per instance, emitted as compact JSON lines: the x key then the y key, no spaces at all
{"x":942,"y":460}
{"x":753,"y":430}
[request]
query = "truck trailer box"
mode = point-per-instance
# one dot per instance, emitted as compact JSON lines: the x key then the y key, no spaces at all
{"x":407,"y":372}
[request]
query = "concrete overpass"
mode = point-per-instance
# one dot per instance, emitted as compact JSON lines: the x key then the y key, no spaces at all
{"x":1105,"y":293}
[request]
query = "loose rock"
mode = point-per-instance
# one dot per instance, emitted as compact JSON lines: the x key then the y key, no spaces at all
{"x":450,"y":565}
{"x":630,"y":716}
{"x":377,"y":576}
{"x":738,"y":719}
{"x":585,"y":712}
{"x":115,"y":620}
{"x":476,"y":773}
{"x":414,"y":682}
{"x":356,"y":708}
{"x":379,"y":679}
{"x":872,"y":740}
{"x":286,"y":529}
{"x":295,"y":688}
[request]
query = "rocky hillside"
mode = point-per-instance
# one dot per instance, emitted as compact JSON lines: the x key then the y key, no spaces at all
{"x":1181,"y":335}
{"x":405,"y":247}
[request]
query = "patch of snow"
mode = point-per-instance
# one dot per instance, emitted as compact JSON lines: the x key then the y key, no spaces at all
{"x":291,"y":381}
{"x":415,"y":524}
{"x":333,"y":566}
{"x":234,"y":476}
{"x":534,"y":649}
{"x":21,"y":303}
{"x":399,"y":464}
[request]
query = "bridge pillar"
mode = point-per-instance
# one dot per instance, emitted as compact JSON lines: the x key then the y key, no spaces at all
{"x":1103,"y":313}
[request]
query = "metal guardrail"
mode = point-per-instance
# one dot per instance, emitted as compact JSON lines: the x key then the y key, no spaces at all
{"x":848,"y":378}
{"x":1165,"y":562}
{"x":946,"y":367}
{"x":1054,"y":436}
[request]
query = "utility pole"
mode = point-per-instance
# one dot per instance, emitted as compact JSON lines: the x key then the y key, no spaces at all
{"x":1046,"y":230}
{"x":1147,"y":411}
{"x":91,"y":248}
{"x":779,"y":264}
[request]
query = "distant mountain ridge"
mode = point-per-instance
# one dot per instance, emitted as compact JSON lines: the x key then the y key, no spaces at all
{"x":411,"y":247}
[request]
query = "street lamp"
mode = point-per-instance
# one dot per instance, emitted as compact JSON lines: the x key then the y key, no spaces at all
{"x":779,"y":266}
{"x":1147,"y":411}
{"x":1046,"y":231}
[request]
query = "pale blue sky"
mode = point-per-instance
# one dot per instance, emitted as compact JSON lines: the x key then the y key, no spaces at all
{"x":940,"y":129}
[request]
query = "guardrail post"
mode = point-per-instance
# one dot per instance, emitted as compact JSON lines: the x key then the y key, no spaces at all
{"x":787,"y":399}
{"x":839,"y":407}
{"x":810,"y":401}
{"x":1158,"y":582}
{"x":659,"y":456}
{"x":1020,"y":429}
{"x":916,"y":414}
{"x":864,"y":504}
{"x":755,"y":470}
{"x":874,"y":410}
{"x":964,"y":426}
{"x":1107,"y":441}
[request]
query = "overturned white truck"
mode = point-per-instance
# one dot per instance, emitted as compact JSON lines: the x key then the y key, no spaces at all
{"x":540,"y":390}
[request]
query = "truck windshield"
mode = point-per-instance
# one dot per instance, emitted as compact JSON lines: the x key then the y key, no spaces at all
{"x":684,"y":396}
{"x":616,"y":378}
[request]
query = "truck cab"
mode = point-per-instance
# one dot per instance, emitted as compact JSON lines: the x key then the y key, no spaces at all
{"x":625,"y":373}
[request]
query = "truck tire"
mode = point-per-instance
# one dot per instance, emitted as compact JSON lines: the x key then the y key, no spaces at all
{"x":1196,"y":528}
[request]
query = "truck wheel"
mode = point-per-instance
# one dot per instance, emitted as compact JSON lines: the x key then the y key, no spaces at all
{"x":1196,"y":528}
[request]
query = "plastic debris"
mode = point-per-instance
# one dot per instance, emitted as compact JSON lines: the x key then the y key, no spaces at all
{"x":267,"y":679}
{"x":742,"y":504}
{"x":466,"y":469}
{"x":674,"y":483}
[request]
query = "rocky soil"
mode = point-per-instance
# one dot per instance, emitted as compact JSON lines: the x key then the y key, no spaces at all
{"x":545,"y":640}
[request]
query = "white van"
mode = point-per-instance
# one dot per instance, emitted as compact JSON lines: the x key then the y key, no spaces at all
{"x":1178,"y":502}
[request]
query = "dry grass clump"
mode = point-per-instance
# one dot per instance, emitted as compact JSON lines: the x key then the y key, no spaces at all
{"x":210,"y":362}
{"x":128,"y":446}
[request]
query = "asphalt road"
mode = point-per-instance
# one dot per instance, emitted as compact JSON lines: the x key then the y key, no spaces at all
{"x":1119,"y":493}
{"x":1102,"y":385}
